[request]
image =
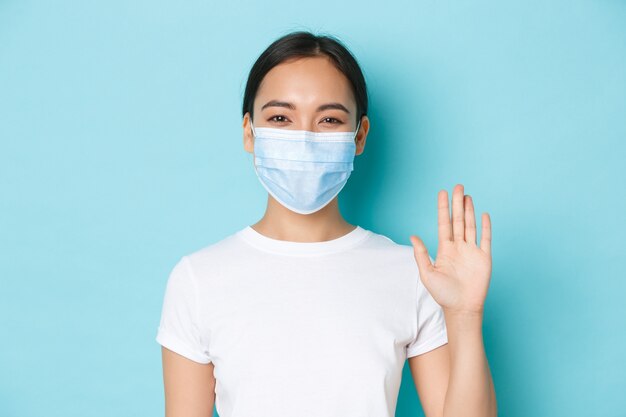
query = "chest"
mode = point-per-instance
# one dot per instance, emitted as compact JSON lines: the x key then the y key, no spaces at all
{"x":310,"y":319}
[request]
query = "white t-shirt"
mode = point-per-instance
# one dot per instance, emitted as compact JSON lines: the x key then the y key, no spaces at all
{"x":318,"y":329}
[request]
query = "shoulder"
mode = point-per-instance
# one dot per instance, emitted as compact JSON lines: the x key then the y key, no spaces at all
{"x":213,"y":257}
{"x":221,"y":249}
{"x":387,"y":246}
{"x":396,"y":255}
{"x":385,"y":242}
{"x":401,"y":256}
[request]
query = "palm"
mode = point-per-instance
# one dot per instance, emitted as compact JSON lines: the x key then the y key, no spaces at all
{"x":459,"y":278}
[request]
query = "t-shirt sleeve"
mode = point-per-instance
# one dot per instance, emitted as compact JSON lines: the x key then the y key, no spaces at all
{"x":431,"y":324}
{"x":178,"y":329}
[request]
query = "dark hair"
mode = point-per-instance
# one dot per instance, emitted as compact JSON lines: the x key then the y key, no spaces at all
{"x":302,"y":44}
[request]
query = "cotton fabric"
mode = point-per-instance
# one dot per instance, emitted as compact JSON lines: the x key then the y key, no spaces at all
{"x":301,"y":328}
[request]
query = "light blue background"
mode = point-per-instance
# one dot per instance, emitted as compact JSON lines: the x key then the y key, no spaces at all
{"x":121,"y":150}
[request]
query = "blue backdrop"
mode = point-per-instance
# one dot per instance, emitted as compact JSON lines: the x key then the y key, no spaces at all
{"x":121,"y":150}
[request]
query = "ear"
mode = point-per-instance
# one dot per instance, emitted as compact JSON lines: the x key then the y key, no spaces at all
{"x":361,"y":136}
{"x":248,"y":138}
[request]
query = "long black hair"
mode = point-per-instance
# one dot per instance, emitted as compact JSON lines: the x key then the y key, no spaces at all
{"x":302,"y":44}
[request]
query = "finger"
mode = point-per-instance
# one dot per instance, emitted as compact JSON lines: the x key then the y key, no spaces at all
{"x":443,"y":210}
{"x":458,"y":223}
{"x":470,"y":220}
{"x":421,"y":255}
{"x":485,"y":239}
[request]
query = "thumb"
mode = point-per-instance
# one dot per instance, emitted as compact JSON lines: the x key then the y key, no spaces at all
{"x":421,"y":255}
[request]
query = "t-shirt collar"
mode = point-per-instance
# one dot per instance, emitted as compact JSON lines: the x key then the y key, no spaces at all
{"x":286,"y":247}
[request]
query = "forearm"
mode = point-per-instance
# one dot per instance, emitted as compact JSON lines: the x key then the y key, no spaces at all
{"x":470,"y":388}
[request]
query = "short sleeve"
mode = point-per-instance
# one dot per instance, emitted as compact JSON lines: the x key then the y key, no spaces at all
{"x":431,"y":324}
{"x":178,"y":328}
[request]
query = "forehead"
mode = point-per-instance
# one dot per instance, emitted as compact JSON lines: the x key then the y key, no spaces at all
{"x":306,"y":80}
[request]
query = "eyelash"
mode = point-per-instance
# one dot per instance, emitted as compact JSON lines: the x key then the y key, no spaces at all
{"x":272,"y":119}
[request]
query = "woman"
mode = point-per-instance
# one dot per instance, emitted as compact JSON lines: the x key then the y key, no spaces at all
{"x":303,"y":313}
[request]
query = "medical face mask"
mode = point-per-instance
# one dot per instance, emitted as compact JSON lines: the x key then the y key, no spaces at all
{"x":303,"y":170}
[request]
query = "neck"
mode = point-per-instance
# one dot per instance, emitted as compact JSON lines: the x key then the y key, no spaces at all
{"x":280,"y":223}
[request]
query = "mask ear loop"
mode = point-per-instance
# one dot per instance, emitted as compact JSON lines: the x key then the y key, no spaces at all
{"x":358,"y":126}
{"x":254,"y":136}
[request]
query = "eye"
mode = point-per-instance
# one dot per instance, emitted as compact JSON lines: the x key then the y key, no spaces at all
{"x":273,"y":118}
{"x":334,"y":121}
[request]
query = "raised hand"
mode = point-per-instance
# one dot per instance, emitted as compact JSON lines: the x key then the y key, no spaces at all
{"x":459,"y":278}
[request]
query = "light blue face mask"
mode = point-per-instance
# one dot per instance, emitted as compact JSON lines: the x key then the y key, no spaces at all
{"x":303,"y":170}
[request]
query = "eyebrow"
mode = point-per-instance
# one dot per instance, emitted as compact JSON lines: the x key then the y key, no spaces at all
{"x":277,"y":103}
